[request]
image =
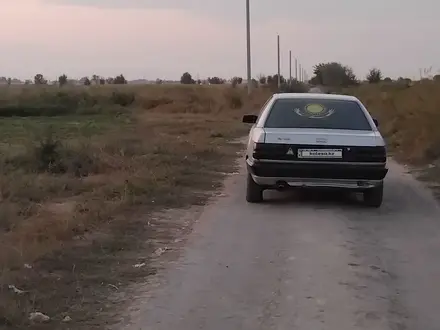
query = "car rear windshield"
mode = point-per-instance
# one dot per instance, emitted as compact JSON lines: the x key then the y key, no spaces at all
{"x":317,"y":113}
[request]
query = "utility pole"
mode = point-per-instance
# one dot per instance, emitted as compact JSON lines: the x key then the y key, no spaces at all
{"x":300,"y":72}
{"x":290,"y":66}
{"x":248,"y":47}
{"x":279,"y":65}
{"x":296,"y":69}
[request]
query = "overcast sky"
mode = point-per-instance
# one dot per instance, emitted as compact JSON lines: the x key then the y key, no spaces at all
{"x":163,"y":38}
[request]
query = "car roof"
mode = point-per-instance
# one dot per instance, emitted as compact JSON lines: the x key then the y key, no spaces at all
{"x":321,"y":96}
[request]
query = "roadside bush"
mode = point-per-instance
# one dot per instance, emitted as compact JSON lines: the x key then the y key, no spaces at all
{"x":50,"y":155}
{"x":47,"y":156}
{"x":51,"y":101}
{"x":234,"y":100}
{"x":156,"y":102}
{"x":123,"y":98}
{"x":33,"y":111}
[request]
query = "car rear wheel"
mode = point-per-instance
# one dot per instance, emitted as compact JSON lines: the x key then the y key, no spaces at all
{"x":373,"y":197}
{"x":254,"y":192}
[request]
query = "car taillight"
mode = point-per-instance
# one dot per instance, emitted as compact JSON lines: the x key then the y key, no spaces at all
{"x":264,"y":150}
{"x":370,"y":154}
{"x":382,"y":153}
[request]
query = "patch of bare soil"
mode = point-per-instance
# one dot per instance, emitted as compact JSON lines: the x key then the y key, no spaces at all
{"x":430,"y":176}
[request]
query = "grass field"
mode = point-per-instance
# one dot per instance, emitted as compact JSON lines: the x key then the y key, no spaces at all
{"x":409,"y":117}
{"x":82,"y":169}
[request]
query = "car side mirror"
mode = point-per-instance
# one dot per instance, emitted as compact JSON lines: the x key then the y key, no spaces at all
{"x":376,"y":122}
{"x":250,"y":119}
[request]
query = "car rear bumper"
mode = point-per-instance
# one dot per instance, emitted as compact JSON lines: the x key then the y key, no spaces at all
{"x":281,"y":183}
{"x":307,"y":174}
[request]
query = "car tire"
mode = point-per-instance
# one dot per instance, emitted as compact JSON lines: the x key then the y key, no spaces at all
{"x":373,"y":197}
{"x":254,"y":192}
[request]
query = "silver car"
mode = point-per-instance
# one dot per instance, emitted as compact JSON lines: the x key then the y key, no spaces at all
{"x":315,"y":140}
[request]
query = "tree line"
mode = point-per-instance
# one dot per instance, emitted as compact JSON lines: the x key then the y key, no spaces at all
{"x":62,"y":80}
{"x":326,"y":74}
{"x":97,"y":80}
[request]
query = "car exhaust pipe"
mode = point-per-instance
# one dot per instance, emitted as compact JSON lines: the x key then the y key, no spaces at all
{"x":281,"y":185}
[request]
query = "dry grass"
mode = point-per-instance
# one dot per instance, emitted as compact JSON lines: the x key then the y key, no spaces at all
{"x":78,"y":164}
{"x":409,"y":117}
{"x":81,"y":167}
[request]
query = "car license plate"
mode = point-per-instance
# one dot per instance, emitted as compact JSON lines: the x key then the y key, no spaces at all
{"x":319,"y":153}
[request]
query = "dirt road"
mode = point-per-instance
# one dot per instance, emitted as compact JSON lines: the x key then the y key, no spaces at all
{"x":304,"y":262}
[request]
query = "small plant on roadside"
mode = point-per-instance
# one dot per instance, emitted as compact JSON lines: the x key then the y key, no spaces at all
{"x":47,"y":154}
